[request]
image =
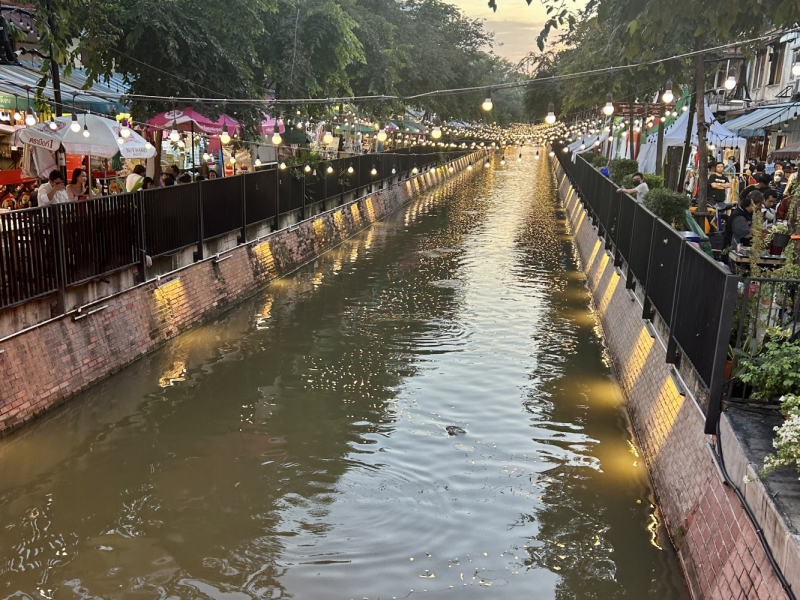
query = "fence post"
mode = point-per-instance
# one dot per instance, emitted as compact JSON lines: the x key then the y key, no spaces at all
{"x":198,"y":254}
{"x":142,"y":239}
{"x":720,"y":355}
{"x":243,"y":235}
{"x":61,"y":265}
{"x":673,"y":356}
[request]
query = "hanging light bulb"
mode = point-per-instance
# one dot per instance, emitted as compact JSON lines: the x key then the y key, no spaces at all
{"x":53,"y":125}
{"x":668,"y":96}
{"x":469,"y":167}
{"x":174,"y":135}
{"x":17,"y":116}
{"x":552,"y":153}
{"x":148,"y":146}
{"x":730,"y":82}
{"x":75,"y":126}
{"x":86,"y":132}
{"x":300,"y":125}
{"x":796,"y":69}
{"x":257,"y":162}
{"x":608,"y":109}
{"x":327,"y":139}
{"x":394,"y":171}
{"x":307,"y":169}
{"x":125,"y":130}
{"x":711,"y":146}
{"x":684,"y":109}
{"x":519,"y":158}
{"x":329,"y":170}
{"x":283,"y":166}
{"x":181,"y":143}
{"x":276,"y":139}
{"x":487,"y":164}
{"x":381,"y":135}
{"x":537,"y":155}
{"x":487,"y":104}
{"x":232,"y":160}
{"x":374,"y":171}
{"x":30,"y":118}
{"x":414,"y":171}
{"x":350,"y":170}
{"x":503,"y":160}
{"x":436,"y":133}
{"x":551,"y":114}
{"x":206,"y":156}
{"x":224,"y":138}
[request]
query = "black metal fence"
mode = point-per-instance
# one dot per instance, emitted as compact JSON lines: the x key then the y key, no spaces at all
{"x":47,"y":249}
{"x":694,"y":295}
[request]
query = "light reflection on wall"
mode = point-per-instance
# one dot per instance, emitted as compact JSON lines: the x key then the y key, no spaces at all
{"x":338,"y":221}
{"x":319,"y":229}
{"x":263,"y":253}
{"x":356,"y":214}
{"x":370,"y":209}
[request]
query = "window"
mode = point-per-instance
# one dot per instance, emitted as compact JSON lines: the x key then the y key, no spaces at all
{"x":776,"y":64}
{"x":758,"y":74}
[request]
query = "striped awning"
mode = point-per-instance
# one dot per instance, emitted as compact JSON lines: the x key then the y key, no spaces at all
{"x":753,"y":124}
{"x":101,"y":97}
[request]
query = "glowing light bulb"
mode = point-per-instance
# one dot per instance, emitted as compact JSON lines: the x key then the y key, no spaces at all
{"x":148,"y":146}
{"x":469,"y":167}
{"x":232,"y":160}
{"x":327,"y":139}
{"x":552,"y":153}
{"x":350,"y":170}
{"x":224,"y":137}
{"x":436,"y":133}
{"x":53,"y":124}
{"x":668,"y":96}
{"x":519,"y":158}
{"x":487,"y":105}
{"x":276,"y":139}
{"x":684,"y":109}
{"x":487,"y":164}
{"x":502,"y":161}
{"x":307,"y":168}
{"x":329,"y":170}
{"x":258,"y":162}
{"x":537,"y":155}
{"x":181,"y":143}
{"x":608,"y":109}
{"x":414,"y":171}
{"x":17,"y":116}
{"x":206,"y":156}
{"x":125,"y":130}
{"x":730,"y":82}
{"x":796,"y":69}
{"x":381,"y":136}
{"x":174,"y":135}
{"x":75,"y":126}
{"x":30,"y":118}
{"x":86,"y":132}
{"x":551,"y":114}
{"x":283,"y":166}
{"x":374,"y":171}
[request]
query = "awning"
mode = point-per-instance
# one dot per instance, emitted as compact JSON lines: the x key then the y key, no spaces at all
{"x":790,"y":151}
{"x":754,"y":123}
{"x":102,"y":97}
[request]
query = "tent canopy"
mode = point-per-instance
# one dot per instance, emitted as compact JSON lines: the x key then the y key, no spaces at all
{"x":675,"y":135}
{"x":791,"y":151}
{"x":753,"y":124}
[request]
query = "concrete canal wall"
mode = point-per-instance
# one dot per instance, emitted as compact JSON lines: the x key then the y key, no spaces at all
{"x":50,"y":362}
{"x":716,"y":542}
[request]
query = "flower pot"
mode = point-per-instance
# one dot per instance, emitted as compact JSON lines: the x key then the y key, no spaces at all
{"x":779,"y":240}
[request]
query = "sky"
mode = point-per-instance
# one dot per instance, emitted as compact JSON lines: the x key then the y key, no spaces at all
{"x":515,"y":24}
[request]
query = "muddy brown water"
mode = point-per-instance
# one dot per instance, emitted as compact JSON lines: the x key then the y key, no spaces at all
{"x":426,"y":410}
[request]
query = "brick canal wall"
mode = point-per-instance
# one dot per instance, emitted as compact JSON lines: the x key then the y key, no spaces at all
{"x":51,"y":362}
{"x":716,"y":543}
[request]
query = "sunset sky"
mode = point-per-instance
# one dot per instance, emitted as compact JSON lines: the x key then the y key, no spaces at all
{"x":515,"y":24}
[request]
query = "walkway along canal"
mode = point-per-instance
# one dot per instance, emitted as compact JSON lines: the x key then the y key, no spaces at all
{"x":426,"y":408}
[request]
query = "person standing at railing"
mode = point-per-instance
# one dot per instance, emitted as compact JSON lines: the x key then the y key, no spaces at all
{"x":54,"y":191}
{"x":640,"y":188}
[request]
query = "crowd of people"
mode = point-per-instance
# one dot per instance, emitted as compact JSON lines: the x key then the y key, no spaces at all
{"x":55,"y":189}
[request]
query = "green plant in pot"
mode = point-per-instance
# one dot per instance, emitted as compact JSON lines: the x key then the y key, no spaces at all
{"x":779,"y":235}
{"x":652,"y":181}
{"x":775,"y":371}
{"x":787,"y":437}
{"x":619,"y":167}
{"x":670,"y":206}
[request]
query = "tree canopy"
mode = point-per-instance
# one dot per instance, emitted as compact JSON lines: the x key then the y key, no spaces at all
{"x":293,"y":48}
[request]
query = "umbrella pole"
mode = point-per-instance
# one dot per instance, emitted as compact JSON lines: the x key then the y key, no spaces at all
{"x":191,"y":141}
{"x":89,"y":172}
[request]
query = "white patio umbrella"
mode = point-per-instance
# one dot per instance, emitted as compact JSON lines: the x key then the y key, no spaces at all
{"x":104,"y":138}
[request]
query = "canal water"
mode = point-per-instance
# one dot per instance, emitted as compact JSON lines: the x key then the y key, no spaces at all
{"x":426,"y":410}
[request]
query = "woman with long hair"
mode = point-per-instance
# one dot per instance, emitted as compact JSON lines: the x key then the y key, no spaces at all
{"x":78,"y":187}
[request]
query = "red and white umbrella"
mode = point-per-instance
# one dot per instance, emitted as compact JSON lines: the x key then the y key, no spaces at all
{"x":189,"y":119}
{"x":104,"y":138}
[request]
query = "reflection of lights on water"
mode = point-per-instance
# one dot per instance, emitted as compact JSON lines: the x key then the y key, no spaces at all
{"x":368,"y":241}
{"x":264,"y":315}
{"x":337,"y":265}
{"x":652,"y":527}
{"x":318,"y":277}
{"x":173,"y":375}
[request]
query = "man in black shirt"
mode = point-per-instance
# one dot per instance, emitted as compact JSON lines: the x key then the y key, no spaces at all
{"x":718,"y":184}
{"x":737,"y":229}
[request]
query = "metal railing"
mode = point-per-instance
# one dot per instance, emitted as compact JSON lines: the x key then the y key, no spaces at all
{"x":694,"y":295}
{"x":47,"y":249}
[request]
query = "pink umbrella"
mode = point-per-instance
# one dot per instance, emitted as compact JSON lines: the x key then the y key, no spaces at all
{"x":269,"y":124}
{"x":189,"y":119}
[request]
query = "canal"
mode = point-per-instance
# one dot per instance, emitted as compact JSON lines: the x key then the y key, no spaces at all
{"x":425,"y":410}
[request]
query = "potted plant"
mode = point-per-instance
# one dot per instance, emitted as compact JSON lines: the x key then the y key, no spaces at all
{"x":787,"y":437}
{"x":779,"y":235}
{"x":775,"y":371}
{"x":670,"y":206}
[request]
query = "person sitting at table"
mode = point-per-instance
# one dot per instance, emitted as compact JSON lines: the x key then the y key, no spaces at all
{"x":54,"y":191}
{"x":78,"y":187}
{"x":767,"y":208}
{"x":737,"y":229}
{"x":8,"y":197}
